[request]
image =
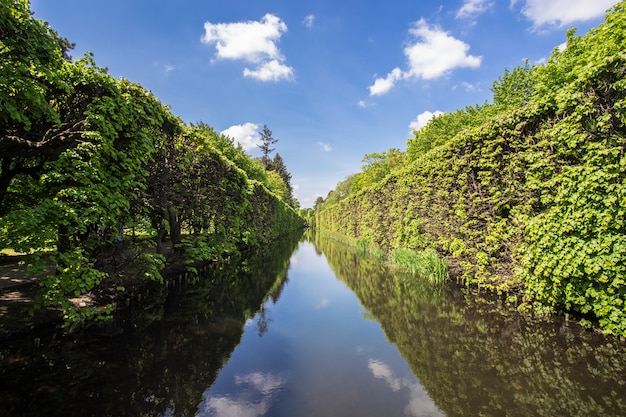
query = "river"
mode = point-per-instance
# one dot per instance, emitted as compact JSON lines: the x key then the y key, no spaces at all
{"x":310,"y":328}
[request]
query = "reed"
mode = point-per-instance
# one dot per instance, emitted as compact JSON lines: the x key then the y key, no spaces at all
{"x":425,"y":263}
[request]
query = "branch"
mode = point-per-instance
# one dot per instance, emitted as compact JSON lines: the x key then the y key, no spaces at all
{"x":67,"y":132}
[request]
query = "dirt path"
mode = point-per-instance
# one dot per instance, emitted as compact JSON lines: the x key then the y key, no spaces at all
{"x":17,"y":291}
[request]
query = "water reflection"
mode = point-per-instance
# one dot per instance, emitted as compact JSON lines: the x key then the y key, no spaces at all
{"x":474,"y":358}
{"x":155,"y":360}
{"x":419,"y":404}
{"x":256,"y":393}
{"x":319,"y":358}
{"x":322,"y":333}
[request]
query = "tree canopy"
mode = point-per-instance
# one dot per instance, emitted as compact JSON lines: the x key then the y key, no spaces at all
{"x":85,"y":158}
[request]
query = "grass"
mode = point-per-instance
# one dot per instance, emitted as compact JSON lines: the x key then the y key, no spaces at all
{"x":425,"y":263}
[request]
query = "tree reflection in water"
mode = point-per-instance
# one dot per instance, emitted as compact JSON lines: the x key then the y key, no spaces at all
{"x":156,"y":359}
{"x":475,"y":357}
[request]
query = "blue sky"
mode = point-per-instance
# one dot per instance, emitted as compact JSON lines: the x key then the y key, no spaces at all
{"x":333,"y":79}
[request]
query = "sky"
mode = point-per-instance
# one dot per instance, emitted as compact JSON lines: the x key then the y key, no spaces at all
{"x":333,"y":80}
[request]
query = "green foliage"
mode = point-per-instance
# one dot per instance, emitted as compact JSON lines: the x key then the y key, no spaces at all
{"x":575,"y":251}
{"x":277,"y":185}
{"x":83,"y":156}
{"x":515,"y":88}
{"x":526,"y":193}
{"x":364,"y":247}
{"x":427,"y":264}
{"x":31,"y":62}
{"x":443,"y":128}
{"x":376,"y":166}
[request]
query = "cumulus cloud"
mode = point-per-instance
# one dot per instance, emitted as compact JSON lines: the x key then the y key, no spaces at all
{"x":560,"y":13}
{"x":383,"y":85}
{"x":422,"y":119}
{"x":325,"y":146}
{"x":246,"y":135}
{"x":253,"y":42}
{"x":472,"y":8}
{"x":308,"y":20}
{"x":273,"y":70}
{"x":433,"y":54}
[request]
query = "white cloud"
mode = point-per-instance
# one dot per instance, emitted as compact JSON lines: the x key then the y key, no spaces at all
{"x":560,"y":13}
{"x":166,"y":68}
{"x":469,"y":87}
{"x":245,"y":134}
{"x":438,"y":53}
{"x":325,"y":146}
{"x":383,"y":85}
{"x":308,"y":20}
{"x":253,"y":42}
{"x":422,"y":119}
{"x":270,"y":71}
{"x":434,"y":53}
{"x":472,"y":8}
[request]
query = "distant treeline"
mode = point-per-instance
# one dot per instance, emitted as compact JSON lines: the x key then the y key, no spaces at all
{"x":90,"y":164}
{"x":525,"y":195}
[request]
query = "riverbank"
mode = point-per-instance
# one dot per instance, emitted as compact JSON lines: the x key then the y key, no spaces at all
{"x":18,"y":290}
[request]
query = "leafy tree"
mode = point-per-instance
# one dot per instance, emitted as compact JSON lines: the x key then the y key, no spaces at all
{"x":82,"y":155}
{"x":278,"y":165}
{"x":376,"y":166}
{"x":575,"y":252}
{"x":318,"y":202}
{"x":277,"y":185}
{"x":514,"y":88}
{"x":234,"y":152}
{"x":32,"y":63}
{"x":443,"y":128}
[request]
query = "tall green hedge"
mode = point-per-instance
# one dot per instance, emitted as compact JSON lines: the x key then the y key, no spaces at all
{"x":534,"y":199}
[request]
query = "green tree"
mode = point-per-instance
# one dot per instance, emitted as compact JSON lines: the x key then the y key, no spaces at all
{"x":376,"y":166}
{"x":443,"y":128}
{"x":234,"y":152}
{"x":318,"y":202}
{"x":267,"y":140}
{"x":514,"y":88}
{"x":277,"y":185}
{"x":278,"y":165}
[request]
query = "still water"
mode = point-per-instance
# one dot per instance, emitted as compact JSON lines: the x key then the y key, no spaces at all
{"x":313,"y":329}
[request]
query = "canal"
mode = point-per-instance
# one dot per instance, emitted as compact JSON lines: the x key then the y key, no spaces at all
{"x":310,"y":328}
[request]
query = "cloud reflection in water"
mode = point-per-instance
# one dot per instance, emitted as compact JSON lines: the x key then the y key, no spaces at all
{"x":420,"y":403}
{"x":255,"y":398}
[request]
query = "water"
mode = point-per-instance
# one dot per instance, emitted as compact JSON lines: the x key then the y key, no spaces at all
{"x":318,"y":331}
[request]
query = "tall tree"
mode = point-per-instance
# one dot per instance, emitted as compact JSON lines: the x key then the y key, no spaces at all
{"x":267,"y":140}
{"x":278,"y":165}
